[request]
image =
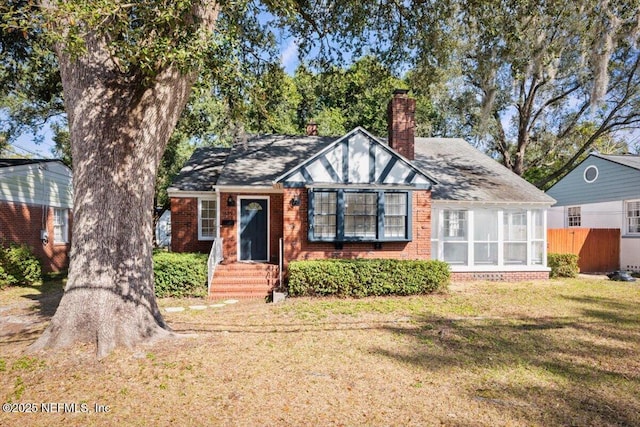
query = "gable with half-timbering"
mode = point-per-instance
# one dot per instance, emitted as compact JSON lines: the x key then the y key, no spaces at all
{"x":357,"y":159}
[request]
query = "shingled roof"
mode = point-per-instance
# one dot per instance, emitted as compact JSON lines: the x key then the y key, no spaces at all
{"x":5,"y":163}
{"x":464,"y":174}
{"x":202,"y":170}
{"x":256,"y":161}
{"x":633,"y":161}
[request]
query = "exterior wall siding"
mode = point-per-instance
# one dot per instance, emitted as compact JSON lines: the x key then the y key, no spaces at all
{"x":593,"y":215}
{"x":46,"y":184}
{"x":614,"y":182}
{"x":630,"y":253}
{"x":298,"y":247}
{"x":21,"y":224}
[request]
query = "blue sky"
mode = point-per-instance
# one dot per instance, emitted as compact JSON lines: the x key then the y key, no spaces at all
{"x":28,"y":146}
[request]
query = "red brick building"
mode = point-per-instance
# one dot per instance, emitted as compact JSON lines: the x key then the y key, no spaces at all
{"x":273,"y":199}
{"x":35,"y":208}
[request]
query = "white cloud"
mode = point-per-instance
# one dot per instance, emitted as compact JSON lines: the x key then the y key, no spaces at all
{"x":289,"y":56}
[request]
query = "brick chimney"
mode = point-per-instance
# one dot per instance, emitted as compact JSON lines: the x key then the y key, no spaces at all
{"x":401,"y":123}
{"x":312,"y":128}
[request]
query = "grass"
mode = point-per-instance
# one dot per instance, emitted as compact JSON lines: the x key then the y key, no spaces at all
{"x":562,"y":352}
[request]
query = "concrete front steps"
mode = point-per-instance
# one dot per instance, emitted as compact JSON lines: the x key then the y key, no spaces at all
{"x":243,"y":280}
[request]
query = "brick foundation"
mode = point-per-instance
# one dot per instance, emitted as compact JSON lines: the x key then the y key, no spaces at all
{"x":21,"y":223}
{"x":502,"y":276}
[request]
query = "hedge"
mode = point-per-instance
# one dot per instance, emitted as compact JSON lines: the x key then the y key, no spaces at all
{"x":370,"y":277}
{"x":180,"y":275}
{"x":563,"y":265}
{"x":18,"y":266}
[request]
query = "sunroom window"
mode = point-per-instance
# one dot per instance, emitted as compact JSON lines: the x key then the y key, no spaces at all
{"x":538,"y":235}
{"x":485,"y":246}
{"x":486,"y":237}
{"x":366,"y":215}
{"x":454,"y":245}
{"x":515,"y":237}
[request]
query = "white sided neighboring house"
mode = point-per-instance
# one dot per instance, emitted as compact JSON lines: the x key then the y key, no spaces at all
{"x":603,"y":191}
{"x":36,"y":201}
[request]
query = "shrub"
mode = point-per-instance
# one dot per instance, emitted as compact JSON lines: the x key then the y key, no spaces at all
{"x":180,"y":274}
{"x":563,"y":265}
{"x":18,"y":266}
{"x":370,"y":277}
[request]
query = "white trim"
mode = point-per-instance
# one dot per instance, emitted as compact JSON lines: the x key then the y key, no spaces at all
{"x":64,"y":226}
{"x":215,"y":198}
{"x":437,"y":240}
{"x":238,"y":231}
{"x":225,"y":189}
{"x":257,"y":189}
{"x":625,"y":213}
{"x":189,"y":194}
{"x":457,"y":268}
{"x":217,"y":215}
{"x":347,"y":136}
{"x":461,"y":204}
{"x":584,"y":174}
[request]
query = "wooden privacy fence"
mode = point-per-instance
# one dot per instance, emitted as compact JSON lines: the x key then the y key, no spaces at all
{"x":598,"y":248}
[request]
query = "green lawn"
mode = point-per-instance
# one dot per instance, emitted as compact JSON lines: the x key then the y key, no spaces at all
{"x":562,"y":352}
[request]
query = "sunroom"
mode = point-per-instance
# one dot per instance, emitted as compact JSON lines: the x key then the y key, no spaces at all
{"x":489,"y":238}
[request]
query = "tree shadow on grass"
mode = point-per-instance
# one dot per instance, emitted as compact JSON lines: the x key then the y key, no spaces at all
{"x":27,"y":323}
{"x":580,"y":370}
{"x":48,"y":297}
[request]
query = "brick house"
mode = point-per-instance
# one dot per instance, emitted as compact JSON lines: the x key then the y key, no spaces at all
{"x":35,"y":208}
{"x":272,"y":199}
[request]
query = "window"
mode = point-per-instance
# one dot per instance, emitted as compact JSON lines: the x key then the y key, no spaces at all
{"x":369,"y":215}
{"x":324,"y":217}
{"x":485,"y":237}
{"x":515,"y":237}
{"x":360,"y":214}
{"x":60,"y":226}
{"x":537,"y":237}
{"x":395,"y":215}
{"x":574,"y":216}
{"x":207,"y":220}
{"x":633,"y":217}
{"x":454,"y":245}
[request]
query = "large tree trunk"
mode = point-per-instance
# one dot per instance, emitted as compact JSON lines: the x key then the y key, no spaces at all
{"x":119,"y":129}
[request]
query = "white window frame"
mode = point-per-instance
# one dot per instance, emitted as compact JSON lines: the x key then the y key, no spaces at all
{"x":460,"y":222}
{"x":60,"y":237}
{"x":215,"y":199}
{"x":574,"y":216}
{"x":438,"y":239}
{"x":627,"y":218}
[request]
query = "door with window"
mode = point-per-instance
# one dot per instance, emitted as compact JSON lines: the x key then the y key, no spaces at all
{"x":254,"y":229}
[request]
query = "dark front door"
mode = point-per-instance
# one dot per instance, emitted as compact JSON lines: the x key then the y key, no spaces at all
{"x":253,"y":229}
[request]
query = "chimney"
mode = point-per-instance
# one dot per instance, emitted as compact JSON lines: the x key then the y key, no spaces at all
{"x":401,"y":123}
{"x":312,"y":128}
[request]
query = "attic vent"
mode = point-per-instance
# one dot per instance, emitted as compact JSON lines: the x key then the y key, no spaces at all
{"x":590,"y":174}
